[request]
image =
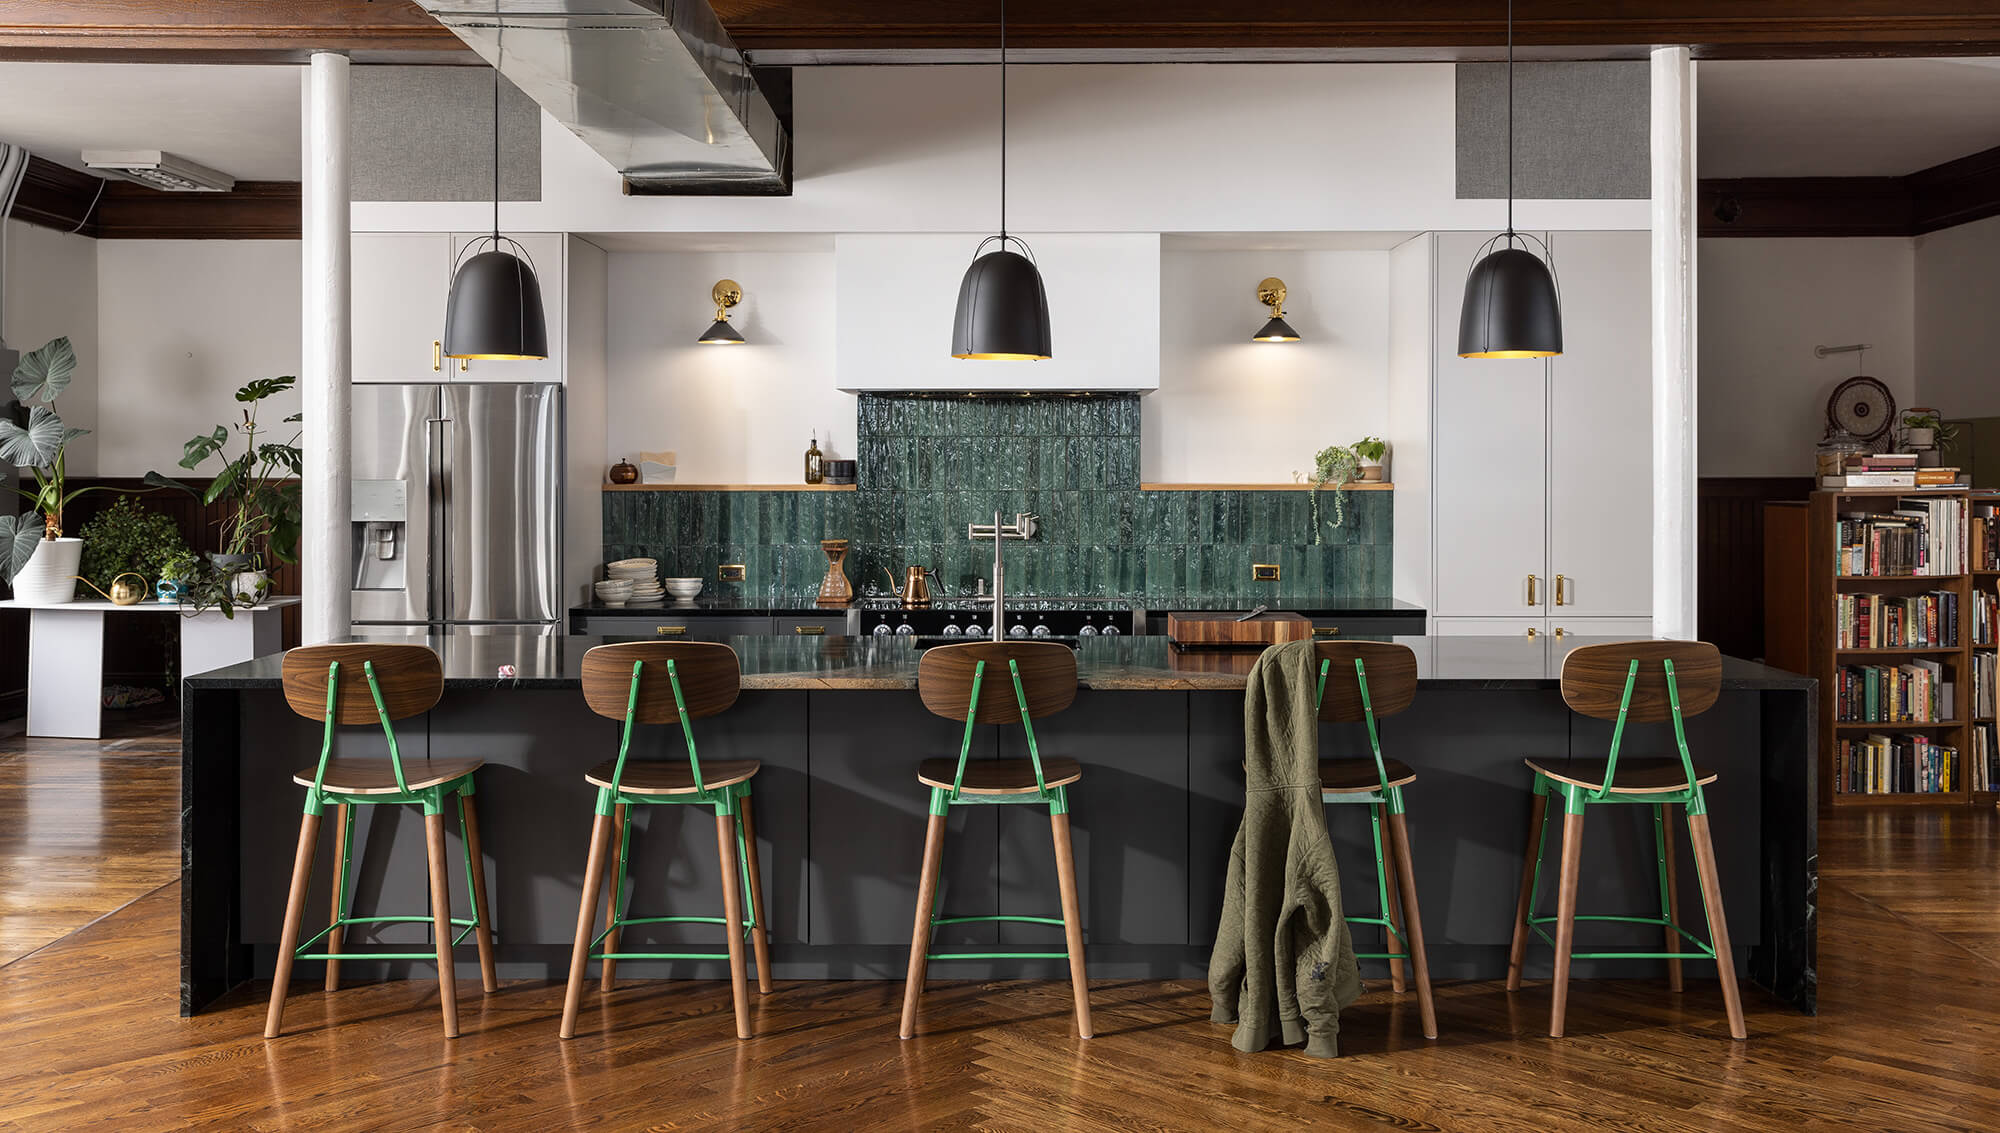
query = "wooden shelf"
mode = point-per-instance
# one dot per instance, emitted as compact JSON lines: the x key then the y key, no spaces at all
{"x":1897,"y":726}
{"x":729,"y":487}
{"x":1350,"y":486}
{"x":1899,"y":651}
{"x":1897,"y":577}
{"x":1903,"y":798}
{"x":1927,"y":490}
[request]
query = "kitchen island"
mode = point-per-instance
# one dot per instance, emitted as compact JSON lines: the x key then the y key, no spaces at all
{"x":840,"y":815}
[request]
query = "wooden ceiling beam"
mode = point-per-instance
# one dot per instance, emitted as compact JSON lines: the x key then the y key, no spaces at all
{"x":1942,"y":196}
{"x":223,"y":31}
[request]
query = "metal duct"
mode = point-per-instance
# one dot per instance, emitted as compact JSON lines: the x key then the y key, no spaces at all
{"x":655,"y":86}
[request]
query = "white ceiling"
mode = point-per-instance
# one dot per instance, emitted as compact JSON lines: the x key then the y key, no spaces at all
{"x":1843,"y":117}
{"x":241,"y":120}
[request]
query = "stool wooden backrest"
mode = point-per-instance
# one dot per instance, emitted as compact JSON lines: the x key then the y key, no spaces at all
{"x":1593,"y":678}
{"x":1392,"y":678}
{"x":1048,"y":679}
{"x":410,"y":677}
{"x":709,"y":673}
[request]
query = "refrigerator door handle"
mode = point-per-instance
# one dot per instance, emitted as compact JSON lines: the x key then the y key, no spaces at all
{"x":440,"y":539}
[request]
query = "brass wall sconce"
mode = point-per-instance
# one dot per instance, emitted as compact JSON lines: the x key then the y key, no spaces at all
{"x":727,"y":293}
{"x":1271,"y":293}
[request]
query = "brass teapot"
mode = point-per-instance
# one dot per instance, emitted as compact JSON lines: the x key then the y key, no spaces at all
{"x":915,"y":590}
{"x":122,"y":593}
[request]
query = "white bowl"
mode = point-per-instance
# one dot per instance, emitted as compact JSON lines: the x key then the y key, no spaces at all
{"x":683,"y":587}
{"x":634,"y":564}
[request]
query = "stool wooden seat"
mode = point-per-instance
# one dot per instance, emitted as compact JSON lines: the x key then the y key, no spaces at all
{"x":1635,"y":776}
{"x":676,"y":683}
{"x":378,"y":776}
{"x":1363,"y":681}
{"x":1340,"y":776}
{"x":997,"y":682}
{"x":999,"y":776}
{"x":671,"y":778}
{"x":375,"y":684}
{"x":1628,"y":681}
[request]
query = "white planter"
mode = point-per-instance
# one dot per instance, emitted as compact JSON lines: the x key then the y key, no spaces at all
{"x":1919,"y":438}
{"x":50,"y":576}
{"x":251,"y":582}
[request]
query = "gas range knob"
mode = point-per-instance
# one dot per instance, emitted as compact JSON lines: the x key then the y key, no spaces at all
{"x":975,"y":631}
{"x":881,"y":630}
{"x":1017,"y":630}
{"x":1041,"y":631}
{"x":952,"y":630}
{"x":1112,"y":631}
{"x":905,"y":630}
{"x":1088,"y":630}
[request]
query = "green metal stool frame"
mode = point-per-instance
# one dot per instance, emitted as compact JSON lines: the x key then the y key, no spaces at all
{"x":726,"y":790}
{"x":1589,"y":676}
{"x":1397,"y":672}
{"x":416,"y":683}
{"x":955,"y":675}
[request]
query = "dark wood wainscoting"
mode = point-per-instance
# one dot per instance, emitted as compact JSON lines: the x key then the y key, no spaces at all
{"x":1729,"y":557}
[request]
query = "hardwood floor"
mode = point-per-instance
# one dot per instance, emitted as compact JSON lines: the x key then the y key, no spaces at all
{"x":1908,"y":1037}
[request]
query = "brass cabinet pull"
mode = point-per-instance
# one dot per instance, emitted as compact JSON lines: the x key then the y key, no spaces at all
{"x":1534,"y":599}
{"x":1559,"y":631}
{"x":1561,"y":594}
{"x":1531,"y":631}
{"x":670,"y":631}
{"x":437,"y":355}
{"x":464,"y":364}
{"x":1325,"y":631}
{"x":809,"y":631}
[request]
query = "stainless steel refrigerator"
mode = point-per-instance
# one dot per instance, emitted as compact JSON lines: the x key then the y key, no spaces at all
{"x":457,"y":506}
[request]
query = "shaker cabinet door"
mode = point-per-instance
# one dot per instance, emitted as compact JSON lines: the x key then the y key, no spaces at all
{"x":398,"y":282}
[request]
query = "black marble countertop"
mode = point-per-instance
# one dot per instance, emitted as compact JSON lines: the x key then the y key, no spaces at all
{"x":473,"y":660}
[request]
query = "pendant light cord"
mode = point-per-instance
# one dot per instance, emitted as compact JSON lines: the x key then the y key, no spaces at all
{"x":1510,"y":121}
{"x":499,"y":34}
{"x":1003,"y":122}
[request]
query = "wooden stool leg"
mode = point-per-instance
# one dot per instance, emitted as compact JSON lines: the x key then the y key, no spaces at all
{"x":732,"y":917}
{"x":614,"y":890}
{"x":760,"y":934}
{"x":1718,"y":928}
{"x":1572,"y":862}
{"x":1079,"y":980}
{"x":295,"y":911}
{"x":1671,"y":907}
{"x":586,"y":920}
{"x":1413,"y":921}
{"x":468,"y":817}
{"x":1524,"y":907}
{"x":441,"y":921}
{"x":920,"y":934}
{"x":343,"y":830}
{"x":1385,"y":864}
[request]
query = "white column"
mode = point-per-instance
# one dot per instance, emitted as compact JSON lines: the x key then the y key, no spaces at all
{"x":324,"y":368}
{"x":1673,"y":344}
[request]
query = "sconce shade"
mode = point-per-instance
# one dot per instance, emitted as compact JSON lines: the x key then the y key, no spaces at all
{"x":720,"y":333}
{"x":495,"y":310}
{"x":1511,"y":308}
{"x":1277,"y":330}
{"x":1003,"y":310}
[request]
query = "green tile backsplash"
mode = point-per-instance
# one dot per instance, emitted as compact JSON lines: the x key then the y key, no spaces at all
{"x":930,"y":465}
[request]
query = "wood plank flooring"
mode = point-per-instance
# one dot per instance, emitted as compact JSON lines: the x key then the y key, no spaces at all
{"x":1908,"y":1037}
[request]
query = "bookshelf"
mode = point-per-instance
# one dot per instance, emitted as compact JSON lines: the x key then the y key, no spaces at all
{"x":1805,"y":581}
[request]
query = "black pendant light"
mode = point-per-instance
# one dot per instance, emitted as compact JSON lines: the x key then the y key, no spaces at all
{"x":1513,"y":308}
{"x":495,"y":309}
{"x":1003,"y":310}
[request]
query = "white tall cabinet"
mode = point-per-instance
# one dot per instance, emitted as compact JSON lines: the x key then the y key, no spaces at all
{"x":1541,"y":468}
{"x":401,"y":281}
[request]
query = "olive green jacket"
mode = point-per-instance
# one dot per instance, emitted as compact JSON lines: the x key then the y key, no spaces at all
{"x":1283,"y":963}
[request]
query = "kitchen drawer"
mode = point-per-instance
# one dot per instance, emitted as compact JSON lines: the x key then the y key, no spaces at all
{"x":675,"y":626}
{"x":1366,"y":626}
{"x":833,"y":623}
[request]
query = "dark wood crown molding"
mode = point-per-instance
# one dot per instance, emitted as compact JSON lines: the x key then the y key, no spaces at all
{"x":224,"y":31}
{"x":1943,"y":196}
{"x":56,"y":196}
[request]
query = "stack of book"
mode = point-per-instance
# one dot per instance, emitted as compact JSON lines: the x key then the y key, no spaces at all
{"x":1882,"y":765}
{"x":1985,"y":761}
{"x":1923,"y":535}
{"x":1888,"y":470}
{"x":1983,"y":665}
{"x":1915,"y":692}
{"x":1884,"y":621}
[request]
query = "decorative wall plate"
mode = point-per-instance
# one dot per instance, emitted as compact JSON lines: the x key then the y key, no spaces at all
{"x":1862,"y":406}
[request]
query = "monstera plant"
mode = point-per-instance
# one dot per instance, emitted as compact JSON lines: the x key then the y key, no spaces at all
{"x":36,"y":446}
{"x":257,"y":485}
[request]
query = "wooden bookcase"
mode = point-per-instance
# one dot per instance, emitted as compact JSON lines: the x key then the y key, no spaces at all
{"x":1800,"y":585}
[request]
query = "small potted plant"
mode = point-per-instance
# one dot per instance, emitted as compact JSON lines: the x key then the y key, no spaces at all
{"x":177,"y":573}
{"x":41,"y":562}
{"x":258,"y":489}
{"x":1334,"y":464}
{"x":1373,"y":455}
{"x":1926,"y":435}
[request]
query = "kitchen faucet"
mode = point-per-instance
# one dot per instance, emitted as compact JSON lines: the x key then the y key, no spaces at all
{"x":1022,"y":528}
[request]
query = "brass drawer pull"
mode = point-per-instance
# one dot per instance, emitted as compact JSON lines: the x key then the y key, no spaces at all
{"x":1325,"y":631}
{"x":1561,"y":590}
{"x":437,"y":355}
{"x":670,"y":631}
{"x":809,"y":631}
{"x":1531,"y":631}
{"x":1533,"y":598}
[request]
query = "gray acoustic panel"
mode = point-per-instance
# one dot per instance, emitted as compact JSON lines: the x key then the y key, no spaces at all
{"x":1580,"y":131}
{"x":426,"y":134}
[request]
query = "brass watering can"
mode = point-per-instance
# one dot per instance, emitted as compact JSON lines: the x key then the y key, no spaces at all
{"x":122,"y":593}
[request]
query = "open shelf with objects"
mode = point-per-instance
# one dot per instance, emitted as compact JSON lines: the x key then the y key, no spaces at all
{"x":1871,"y":592}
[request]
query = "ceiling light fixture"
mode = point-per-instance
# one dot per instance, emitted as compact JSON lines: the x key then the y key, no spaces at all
{"x":726,"y":293}
{"x":1003,"y":309}
{"x":1271,"y":293}
{"x":168,"y":172}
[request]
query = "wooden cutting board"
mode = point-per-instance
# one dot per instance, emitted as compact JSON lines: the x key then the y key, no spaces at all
{"x":1219,"y":629}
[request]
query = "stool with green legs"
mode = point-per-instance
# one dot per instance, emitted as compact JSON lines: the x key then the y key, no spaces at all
{"x":659,"y":682}
{"x":1365,"y":681}
{"x":370,"y":684}
{"x":1646,"y":681}
{"x":997,"y":683}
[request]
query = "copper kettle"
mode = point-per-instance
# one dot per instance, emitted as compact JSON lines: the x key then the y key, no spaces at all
{"x":915,"y":590}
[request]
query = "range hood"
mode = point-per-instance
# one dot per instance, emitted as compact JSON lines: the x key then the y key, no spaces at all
{"x":654,"y":86}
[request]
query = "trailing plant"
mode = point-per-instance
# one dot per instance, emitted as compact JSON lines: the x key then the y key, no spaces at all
{"x":205,"y":586}
{"x":127,"y":537}
{"x":258,"y":487}
{"x":1334,"y":464}
{"x":37,"y":446}
{"x":1370,"y":449}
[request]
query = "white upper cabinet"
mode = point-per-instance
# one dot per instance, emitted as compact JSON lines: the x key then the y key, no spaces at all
{"x":895,"y":297}
{"x":400,"y":280}
{"x":545,"y":254}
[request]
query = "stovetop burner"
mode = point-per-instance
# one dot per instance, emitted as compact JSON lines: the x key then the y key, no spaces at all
{"x":960,"y":619}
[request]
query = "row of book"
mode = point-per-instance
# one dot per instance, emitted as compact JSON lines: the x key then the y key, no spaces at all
{"x":1886,"y":621}
{"x":1983,"y":699}
{"x":1985,"y":618}
{"x":1887,"y":470}
{"x":1915,"y":692}
{"x":1920,"y":536}
{"x":1880,"y":764}
{"x":1983,"y":763}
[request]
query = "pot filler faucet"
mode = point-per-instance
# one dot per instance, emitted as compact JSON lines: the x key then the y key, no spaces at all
{"x":1022,"y":528}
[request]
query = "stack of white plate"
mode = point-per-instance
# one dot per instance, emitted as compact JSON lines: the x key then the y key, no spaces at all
{"x":643,"y":574}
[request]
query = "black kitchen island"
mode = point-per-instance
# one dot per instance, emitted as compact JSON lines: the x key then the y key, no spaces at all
{"x":840,"y":815}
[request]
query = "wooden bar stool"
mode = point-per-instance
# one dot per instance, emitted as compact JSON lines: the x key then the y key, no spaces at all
{"x":1647,"y":681}
{"x":367,"y":684}
{"x":997,"y":683}
{"x":659,"y":682}
{"x":1385,"y":683}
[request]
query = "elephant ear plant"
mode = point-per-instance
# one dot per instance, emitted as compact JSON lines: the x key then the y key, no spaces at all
{"x":36,"y":447}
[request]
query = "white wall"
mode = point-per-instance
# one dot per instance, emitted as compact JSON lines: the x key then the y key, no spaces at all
{"x":183,"y":323}
{"x":1234,"y":411}
{"x":1763,"y":306}
{"x":1412,"y":315}
{"x":1958,"y":335}
{"x":51,"y":290}
{"x":734,"y":414}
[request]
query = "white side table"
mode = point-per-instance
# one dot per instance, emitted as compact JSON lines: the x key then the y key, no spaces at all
{"x":66,"y":654}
